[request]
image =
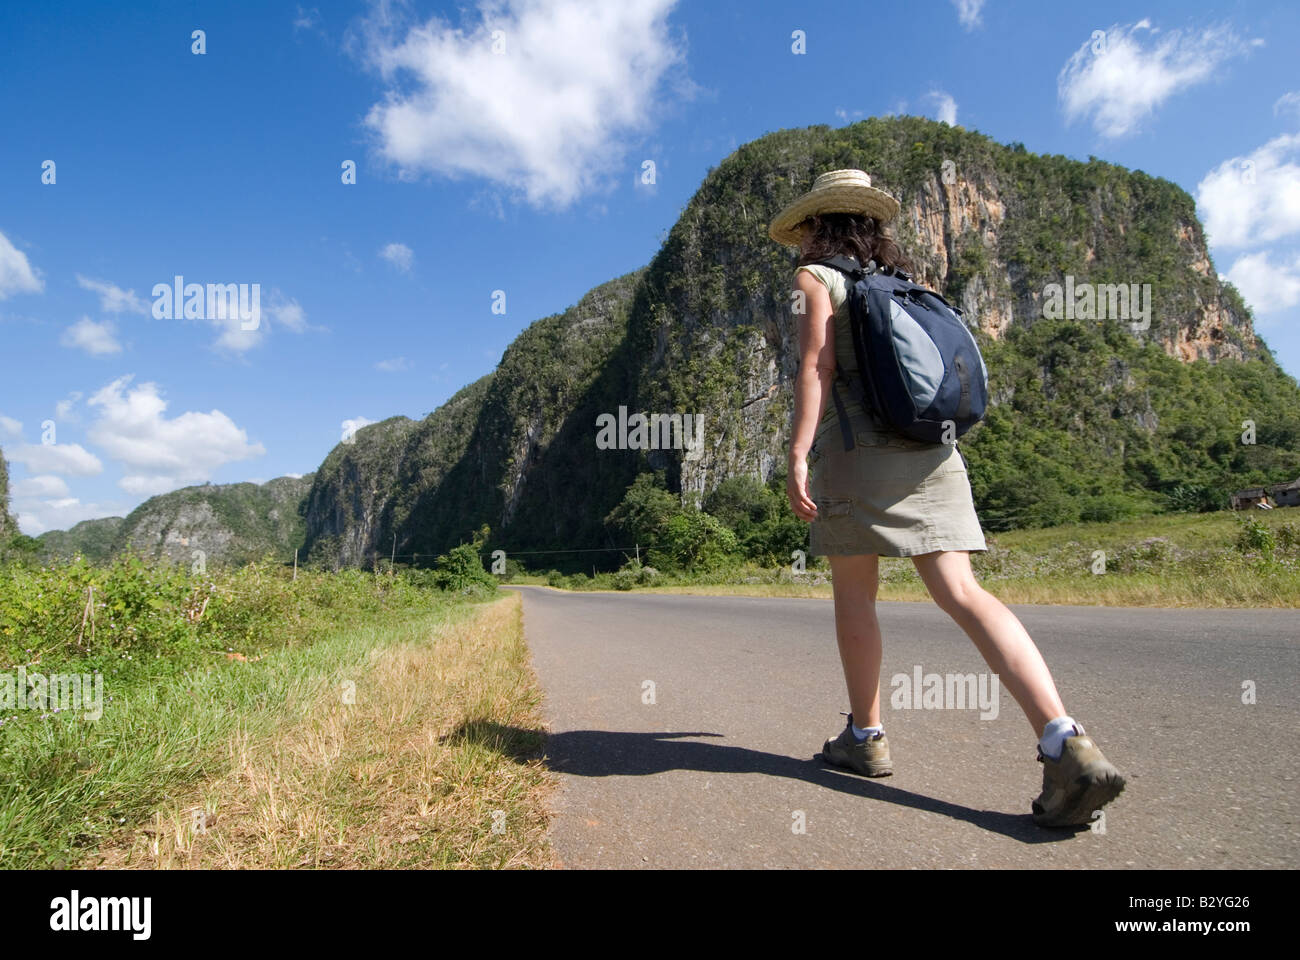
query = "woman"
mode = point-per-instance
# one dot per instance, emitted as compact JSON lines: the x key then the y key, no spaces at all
{"x":896,"y":497}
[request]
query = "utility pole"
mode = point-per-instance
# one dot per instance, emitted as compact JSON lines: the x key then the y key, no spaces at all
{"x":295,"y":563}
{"x":638,"y":554}
{"x":392,"y":564}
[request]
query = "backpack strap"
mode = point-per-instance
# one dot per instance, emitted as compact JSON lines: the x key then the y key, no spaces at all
{"x":841,"y":413}
{"x":846,"y":264}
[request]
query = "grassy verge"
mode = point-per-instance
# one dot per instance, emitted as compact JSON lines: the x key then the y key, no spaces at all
{"x":1194,"y":560}
{"x":212,"y":681}
{"x":411,"y":745}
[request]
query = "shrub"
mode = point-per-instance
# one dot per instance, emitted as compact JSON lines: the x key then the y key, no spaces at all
{"x":461,"y":569}
{"x":514,"y":569}
{"x":1254,"y":536}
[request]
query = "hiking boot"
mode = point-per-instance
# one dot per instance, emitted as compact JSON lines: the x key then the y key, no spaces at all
{"x":869,"y":757}
{"x":1077,"y":785}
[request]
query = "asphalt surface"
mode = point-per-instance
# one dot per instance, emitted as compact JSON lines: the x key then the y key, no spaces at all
{"x":720,"y":770}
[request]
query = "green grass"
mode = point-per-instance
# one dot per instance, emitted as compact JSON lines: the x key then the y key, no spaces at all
{"x":1207,"y":560}
{"x":68,"y":783}
{"x":270,"y":656}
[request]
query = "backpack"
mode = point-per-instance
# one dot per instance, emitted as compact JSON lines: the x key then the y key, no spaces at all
{"x":920,"y":370}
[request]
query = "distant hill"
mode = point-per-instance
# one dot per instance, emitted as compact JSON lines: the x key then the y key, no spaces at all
{"x":229,"y":523}
{"x":96,"y":540}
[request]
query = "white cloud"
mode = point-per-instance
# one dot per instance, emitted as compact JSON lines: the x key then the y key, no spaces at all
{"x":968,"y":12}
{"x":1288,"y":103}
{"x":394,"y":365}
{"x":287,"y":313}
{"x":399,"y":255}
{"x":1255,"y":199}
{"x":36,"y":516}
{"x":63,"y":410}
{"x":1267,"y":286}
{"x":95,"y":338}
{"x":1118,"y":81}
{"x":112,"y":298}
{"x":150,"y":484}
{"x":71,"y":459}
{"x":279,"y":311}
{"x":946,"y":107}
{"x":306,"y":19}
{"x":352,"y":426}
{"x":548,"y":115}
{"x":9,"y":427}
{"x":159,"y":453}
{"x":16,"y":274}
{"x":42,"y":485}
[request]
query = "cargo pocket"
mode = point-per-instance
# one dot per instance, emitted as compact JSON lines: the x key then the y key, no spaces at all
{"x":831,"y":508}
{"x":833,"y":527}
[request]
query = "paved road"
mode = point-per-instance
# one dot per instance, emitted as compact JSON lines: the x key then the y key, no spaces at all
{"x":719,"y":771}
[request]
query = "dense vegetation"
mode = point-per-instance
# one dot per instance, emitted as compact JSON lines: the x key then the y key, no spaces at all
{"x":95,"y":540}
{"x":172,"y":652}
{"x":1221,"y":559}
{"x":121,"y":617}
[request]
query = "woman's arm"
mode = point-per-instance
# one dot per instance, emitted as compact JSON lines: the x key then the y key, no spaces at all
{"x":816,"y":369}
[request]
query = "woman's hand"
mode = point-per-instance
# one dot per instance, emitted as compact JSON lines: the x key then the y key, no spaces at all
{"x":796,"y":488}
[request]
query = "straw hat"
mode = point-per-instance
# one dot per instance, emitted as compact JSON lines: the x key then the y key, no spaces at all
{"x":839,"y":191}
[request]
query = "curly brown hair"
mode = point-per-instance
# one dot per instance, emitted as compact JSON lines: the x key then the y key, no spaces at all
{"x":853,"y":234}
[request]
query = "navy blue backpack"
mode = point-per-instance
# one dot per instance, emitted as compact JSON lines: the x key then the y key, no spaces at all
{"x":921,"y":371}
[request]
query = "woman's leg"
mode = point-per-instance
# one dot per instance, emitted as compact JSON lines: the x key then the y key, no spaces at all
{"x":998,"y":634}
{"x":854,"y":582}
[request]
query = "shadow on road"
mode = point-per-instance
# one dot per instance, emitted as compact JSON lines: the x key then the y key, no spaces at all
{"x":603,"y":753}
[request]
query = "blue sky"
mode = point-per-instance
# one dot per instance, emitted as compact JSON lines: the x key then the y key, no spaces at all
{"x":512,"y":169}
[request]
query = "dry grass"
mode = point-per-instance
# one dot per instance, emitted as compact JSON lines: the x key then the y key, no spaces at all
{"x":1230,"y":589}
{"x":436,"y":763}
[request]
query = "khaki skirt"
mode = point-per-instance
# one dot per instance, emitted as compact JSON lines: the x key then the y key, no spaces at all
{"x":889,"y":495}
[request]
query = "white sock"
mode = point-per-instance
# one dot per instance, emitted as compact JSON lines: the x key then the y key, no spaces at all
{"x":1054,"y":736}
{"x":863,"y":732}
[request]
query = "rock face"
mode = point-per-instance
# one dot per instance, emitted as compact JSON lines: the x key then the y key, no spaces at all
{"x":989,"y":226}
{"x":706,"y":329}
{"x":502,"y":451}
